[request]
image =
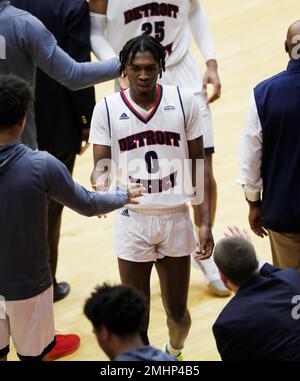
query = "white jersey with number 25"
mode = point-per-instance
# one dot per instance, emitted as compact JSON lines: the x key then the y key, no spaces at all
{"x":167,"y":21}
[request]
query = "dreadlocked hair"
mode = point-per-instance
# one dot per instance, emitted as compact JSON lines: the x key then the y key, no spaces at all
{"x":141,"y":44}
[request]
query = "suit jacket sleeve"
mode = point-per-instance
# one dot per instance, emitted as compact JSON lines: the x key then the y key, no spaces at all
{"x":268,"y":270}
{"x":230,"y":347}
{"x":77,"y":45}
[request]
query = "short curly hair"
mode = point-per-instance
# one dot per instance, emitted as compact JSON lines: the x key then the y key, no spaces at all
{"x":121,"y":309}
{"x":141,"y":44}
{"x":15,"y":95}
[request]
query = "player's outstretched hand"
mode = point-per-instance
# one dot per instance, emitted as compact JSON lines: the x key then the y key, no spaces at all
{"x":134,"y":190}
{"x":236,"y":231}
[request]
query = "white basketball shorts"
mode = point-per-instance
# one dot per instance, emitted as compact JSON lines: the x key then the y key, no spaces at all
{"x":148,"y":235}
{"x":30,"y":323}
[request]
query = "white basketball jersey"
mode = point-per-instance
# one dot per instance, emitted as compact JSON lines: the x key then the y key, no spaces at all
{"x":151,"y":149}
{"x":165,"y":20}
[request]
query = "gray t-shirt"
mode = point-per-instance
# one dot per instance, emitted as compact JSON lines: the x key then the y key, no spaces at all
{"x":27,"y":44}
{"x":28,"y":180}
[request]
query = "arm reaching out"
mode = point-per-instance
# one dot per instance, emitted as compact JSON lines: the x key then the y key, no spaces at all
{"x":61,"y":187}
{"x":202,"y":35}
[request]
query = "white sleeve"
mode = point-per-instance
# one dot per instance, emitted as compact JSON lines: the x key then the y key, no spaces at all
{"x":100,"y":46}
{"x":261,"y":264}
{"x":194,"y":123}
{"x":100,"y":128}
{"x":250,"y":154}
{"x":201,"y":32}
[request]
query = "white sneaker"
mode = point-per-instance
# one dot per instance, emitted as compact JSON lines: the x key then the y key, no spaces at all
{"x":217,"y":287}
{"x":211,"y":273}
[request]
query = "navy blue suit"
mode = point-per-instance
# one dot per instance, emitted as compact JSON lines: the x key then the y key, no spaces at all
{"x":61,"y":114}
{"x":257,"y":323}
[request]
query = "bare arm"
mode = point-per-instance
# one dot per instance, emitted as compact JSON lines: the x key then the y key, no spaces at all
{"x":42,"y":47}
{"x":202,"y":212}
{"x":98,"y":6}
{"x":211,"y":76}
{"x":100,"y":174}
{"x":202,"y":35}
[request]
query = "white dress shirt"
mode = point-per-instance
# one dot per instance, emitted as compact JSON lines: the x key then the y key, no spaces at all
{"x":250,"y":154}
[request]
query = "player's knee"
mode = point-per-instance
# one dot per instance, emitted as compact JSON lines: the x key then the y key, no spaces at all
{"x":178,"y":313}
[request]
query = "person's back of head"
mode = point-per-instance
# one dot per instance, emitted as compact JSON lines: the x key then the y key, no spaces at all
{"x":236,"y":260}
{"x":115,"y":311}
{"x":15,"y":95}
{"x":292,"y":45}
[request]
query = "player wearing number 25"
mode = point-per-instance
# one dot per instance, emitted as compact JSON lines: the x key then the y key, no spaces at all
{"x":149,"y":131}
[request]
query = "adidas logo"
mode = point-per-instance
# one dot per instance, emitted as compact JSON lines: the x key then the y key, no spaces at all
{"x":124,"y":116}
{"x":125,"y":213}
{"x":169,"y":108}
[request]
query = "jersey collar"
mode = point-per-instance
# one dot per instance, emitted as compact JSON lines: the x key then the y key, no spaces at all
{"x":136,"y":113}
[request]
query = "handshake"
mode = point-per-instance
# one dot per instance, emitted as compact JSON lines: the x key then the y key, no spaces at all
{"x":134,"y":190}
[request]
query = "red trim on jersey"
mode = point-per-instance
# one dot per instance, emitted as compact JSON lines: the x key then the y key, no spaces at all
{"x":136,"y":113}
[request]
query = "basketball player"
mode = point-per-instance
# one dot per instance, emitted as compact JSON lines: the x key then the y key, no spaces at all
{"x":143,"y":129}
{"x":113,"y":22}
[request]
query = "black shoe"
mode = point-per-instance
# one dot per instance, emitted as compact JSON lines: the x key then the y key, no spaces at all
{"x":61,"y":290}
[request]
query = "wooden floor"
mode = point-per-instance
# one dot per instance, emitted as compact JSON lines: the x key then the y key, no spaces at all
{"x":249,"y":37}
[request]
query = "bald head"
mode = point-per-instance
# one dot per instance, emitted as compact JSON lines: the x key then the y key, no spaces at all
{"x":292,"y":43}
{"x":235,"y":257}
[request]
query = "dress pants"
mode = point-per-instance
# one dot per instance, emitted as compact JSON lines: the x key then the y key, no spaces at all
{"x":285,"y":249}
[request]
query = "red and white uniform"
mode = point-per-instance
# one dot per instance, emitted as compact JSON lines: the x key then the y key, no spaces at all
{"x":171,"y":23}
{"x":151,"y":147}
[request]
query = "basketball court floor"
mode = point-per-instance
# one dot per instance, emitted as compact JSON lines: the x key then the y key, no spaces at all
{"x":249,"y":36}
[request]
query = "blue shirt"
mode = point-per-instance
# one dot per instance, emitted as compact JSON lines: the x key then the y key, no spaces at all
{"x":28,"y":180}
{"x":146,"y":353}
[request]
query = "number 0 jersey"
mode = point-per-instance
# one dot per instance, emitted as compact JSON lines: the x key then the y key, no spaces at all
{"x":151,"y":147}
{"x":165,"y":20}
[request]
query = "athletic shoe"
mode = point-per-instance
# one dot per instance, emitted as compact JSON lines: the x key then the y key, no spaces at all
{"x":217,"y":288}
{"x":65,"y":345}
{"x":179,"y":357}
{"x":211,"y":273}
{"x":60,"y":291}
